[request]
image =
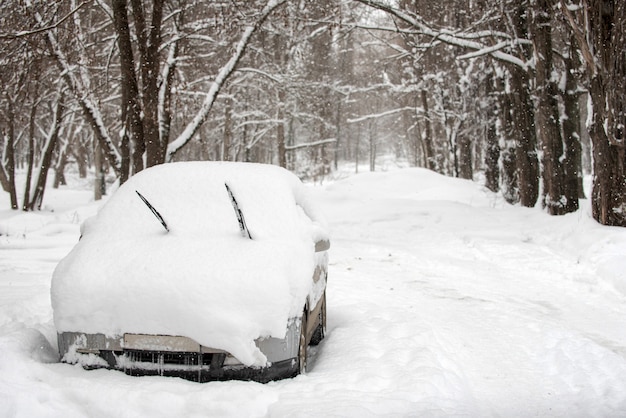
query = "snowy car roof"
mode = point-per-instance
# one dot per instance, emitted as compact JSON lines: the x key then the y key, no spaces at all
{"x":202,"y":279}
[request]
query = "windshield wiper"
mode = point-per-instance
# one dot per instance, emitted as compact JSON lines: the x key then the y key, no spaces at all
{"x":154,"y":211}
{"x":242,"y":222}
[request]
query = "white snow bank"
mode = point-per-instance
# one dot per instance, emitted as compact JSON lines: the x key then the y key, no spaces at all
{"x":439,"y":304}
{"x":202,"y":279}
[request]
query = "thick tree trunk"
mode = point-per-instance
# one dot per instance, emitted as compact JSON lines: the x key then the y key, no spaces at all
{"x":526,"y":161}
{"x":492,"y":148}
{"x":547,"y":114}
{"x":131,"y":108}
{"x":609,"y":181}
{"x":572,"y":163}
{"x":607,"y":86}
{"x":507,"y":144}
{"x":522,"y":113}
{"x":81,"y":155}
{"x":149,"y":41}
{"x":492,"y":155}
{"x":465,"y":157}
{"x":165,"y":95}
{"x":59,"y":170}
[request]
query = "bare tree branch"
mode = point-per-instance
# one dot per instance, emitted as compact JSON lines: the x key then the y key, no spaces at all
{"x":45,"y":28}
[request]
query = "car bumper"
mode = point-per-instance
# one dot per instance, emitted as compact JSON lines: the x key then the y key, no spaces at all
{"x":161,"y":355}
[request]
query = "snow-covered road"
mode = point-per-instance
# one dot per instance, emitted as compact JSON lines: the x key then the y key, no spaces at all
{"x":443,"y":301}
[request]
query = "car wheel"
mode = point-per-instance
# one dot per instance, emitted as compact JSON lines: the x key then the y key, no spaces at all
{"x":320,"y":331}
{"x":303,"y":346}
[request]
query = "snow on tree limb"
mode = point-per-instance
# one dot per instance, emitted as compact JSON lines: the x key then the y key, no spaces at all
{"x":311,"y":144}
{"x":448,"y":37}
{"x":383,"y":114}
{"x":219,"y":81}
{"x":46,"y":28}
{"x":82,"y":95}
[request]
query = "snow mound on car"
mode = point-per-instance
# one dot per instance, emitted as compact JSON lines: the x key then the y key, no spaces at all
{"x":202,"y":279}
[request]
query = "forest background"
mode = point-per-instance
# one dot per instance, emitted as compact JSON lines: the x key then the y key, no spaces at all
{"x":525,"y":95}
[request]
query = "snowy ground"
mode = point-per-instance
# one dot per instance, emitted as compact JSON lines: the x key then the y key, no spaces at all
{"x":443,"y":301}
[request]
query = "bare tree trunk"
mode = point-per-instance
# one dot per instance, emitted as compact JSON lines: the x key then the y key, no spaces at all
{"x":149,"y":41}
{"x":228,"y":129}
{"x":507,"y":145}
{"x":372,"y":143}
{"x":547,"y":114}
{"x":99,"y":183}
{"x":492,"y":148}
{"x":572,"y":163}
{"x":59,"y":169}
{"x":427,"y":138}
{"x":492,"y":155}
{"x":280,"y":137}
{"x":465,"y":157}
{"x":603,"y":51}
{"x":131,"y":108}
{"x":356,"y":148}
{"x":165,"y":94}
{"x":526,"y":161}
{"x":7,"y":173}
{"x":46,"y":158}
{"x":31,"y":156}
{"x":81,"y":155}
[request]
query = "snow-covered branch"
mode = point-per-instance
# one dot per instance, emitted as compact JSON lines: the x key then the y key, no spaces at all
{"x":380,"y":115}
{"x":82,"y":95}
{"x":46,"y":27}
{"x":219,"y":81}
{"x":310,"y":144}
{"x":446,"y":36}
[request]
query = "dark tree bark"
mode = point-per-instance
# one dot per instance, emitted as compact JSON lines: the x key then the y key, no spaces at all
{"x":603,"y":51}
{"x":465,"y":157}
{"x":46,"y":158}
{"x":59,"y":169}
{"x":427,"y":138}
{"x":492,"y":155}
{"x":507,"y":142}
{"x":99,"y":184}
{"x":280,"y":59}
{"x":228,"y":129}
{"x":165,"y":98}
{"x":572,"y":163}
{"x":526,"y":161}
{"x":547,"y":114}
{"x":320,"y":70}
{"x":7,"y":174}
{"x":149,"y":42}
{"x":609,"y":191}
{"x":131,"y":107}
{"x":30,"y":156}
{"x":523,"y":115}
{"x":371,"y":129}
{"x":492,"y":147}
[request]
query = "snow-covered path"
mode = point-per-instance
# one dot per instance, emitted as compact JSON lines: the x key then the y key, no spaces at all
{"x":443,"y":301}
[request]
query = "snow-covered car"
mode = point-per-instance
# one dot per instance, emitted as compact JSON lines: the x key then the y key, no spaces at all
{"x":202,"y":270}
